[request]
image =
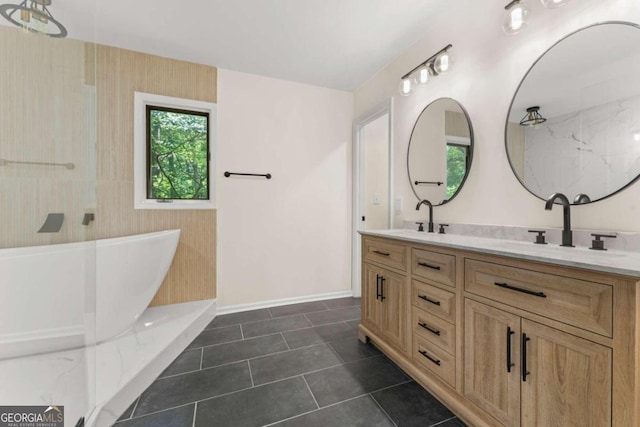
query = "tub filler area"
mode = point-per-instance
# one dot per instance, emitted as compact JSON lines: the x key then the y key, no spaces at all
{"x":91,"y":349}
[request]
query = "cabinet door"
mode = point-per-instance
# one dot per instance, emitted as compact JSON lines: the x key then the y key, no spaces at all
{"x":394,"y":314}
{"x":569,"y":380}
{"x":371,"y":306}
{"x":491,"y":343}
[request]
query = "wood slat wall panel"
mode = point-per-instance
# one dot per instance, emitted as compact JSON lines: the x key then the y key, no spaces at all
{"x":119,"y":74}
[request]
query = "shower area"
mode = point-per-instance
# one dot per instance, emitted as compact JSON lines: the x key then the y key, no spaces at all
{"x":48,"y":199}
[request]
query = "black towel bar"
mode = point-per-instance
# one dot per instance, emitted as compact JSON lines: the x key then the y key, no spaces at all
{"x":430,"y":182}
{"x":266,"y":175}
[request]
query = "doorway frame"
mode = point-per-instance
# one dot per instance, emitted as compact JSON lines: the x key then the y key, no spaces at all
{"x":358,"y":202}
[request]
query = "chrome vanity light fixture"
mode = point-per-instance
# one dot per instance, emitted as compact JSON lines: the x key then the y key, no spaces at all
{"x":34,"y":16}
{"x":552,"y":4}
{"x":515,"y":17}
{"x":436,"y":64}
{"x":532,"y":117}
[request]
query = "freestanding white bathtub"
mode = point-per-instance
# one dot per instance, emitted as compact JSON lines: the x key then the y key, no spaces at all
{"x":65,"y":296}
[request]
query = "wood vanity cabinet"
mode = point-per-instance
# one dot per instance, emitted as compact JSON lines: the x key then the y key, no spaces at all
{"x":384,"y":291}
{"x":503,"y":341}
{"x":527,"y":374}
{"x":384,"y":294}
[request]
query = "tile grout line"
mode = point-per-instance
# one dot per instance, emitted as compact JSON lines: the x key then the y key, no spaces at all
{"x":316,"y":410}
{"x":391,"y":386}
{"x":241,"y":332}
{"x":236,"y":341}
{"x":443,"y":421}
{"x":135,"y":407}
{"x":273,"y":354}
{"x":195,"y":410}
{"x":309,"y":388}
{"x":285,"y":342}
{"x":162,"y":410}
{"x":331,"y":367}
{"x":382,"y":409}
{"x":201,"y":357}
{"x":250,"y":374}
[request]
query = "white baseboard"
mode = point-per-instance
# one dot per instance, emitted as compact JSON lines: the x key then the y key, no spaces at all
{"x":285,"y":301}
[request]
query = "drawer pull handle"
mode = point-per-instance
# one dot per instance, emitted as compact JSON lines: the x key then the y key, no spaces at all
{"x":525,"y":339}
{"x":510,"y":364}
{"x":427,"y":299}
{"x":381,"y":253}
{"x":425,"y":354}
{"x":433,"y":267}
{"x":382,"y":297}
{"x":524,"y":291}
{"x":429,"y":328}
{"x":377,"y":286}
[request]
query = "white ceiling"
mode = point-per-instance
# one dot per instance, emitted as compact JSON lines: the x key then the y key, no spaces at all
{"x":331,"y":43}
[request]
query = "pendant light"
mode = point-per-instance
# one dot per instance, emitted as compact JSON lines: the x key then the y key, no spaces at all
{"x":34,"y":16}
{"x":533,"y":117}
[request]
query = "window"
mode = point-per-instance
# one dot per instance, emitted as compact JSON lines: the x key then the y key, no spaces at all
{"x":457,"y":163}
{"x":174,"y":142}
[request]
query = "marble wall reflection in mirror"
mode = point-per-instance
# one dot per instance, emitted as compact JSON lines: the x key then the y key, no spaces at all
{"x":440,"y":151}
{"x":588,"y":88}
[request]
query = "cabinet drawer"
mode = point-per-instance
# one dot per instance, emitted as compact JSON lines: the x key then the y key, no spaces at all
{"x":434,"y":330}
{"x":385,"y":253}
{"x":434,"y":300}
{"x":434,"y":359}
{"x":434,"y":266}
{"x":587,"y":305}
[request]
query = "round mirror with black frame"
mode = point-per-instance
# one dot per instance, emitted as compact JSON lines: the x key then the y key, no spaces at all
{"x":440,"y":151}
{"x":574,"y":122}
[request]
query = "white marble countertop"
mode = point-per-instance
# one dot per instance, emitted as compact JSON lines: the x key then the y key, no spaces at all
{"x":610,"y":261}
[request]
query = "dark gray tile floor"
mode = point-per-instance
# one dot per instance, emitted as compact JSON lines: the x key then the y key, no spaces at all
{"x":294,"y":365}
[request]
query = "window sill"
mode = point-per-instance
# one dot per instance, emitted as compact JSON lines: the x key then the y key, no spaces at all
{"x":175,"y":205}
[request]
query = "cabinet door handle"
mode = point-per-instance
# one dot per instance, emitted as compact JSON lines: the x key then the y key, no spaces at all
{"x":524,"y":291}
{"x":525,"y":339}
{"x":433,"y":267}
{"x":377,"y":286}
{"x":382,"y":280}
{"x":425,"y":354}
{"x":427,"y":299}
{"x":510,"y":364}
{"x":429,"y":328}
{"x":381,"y":253}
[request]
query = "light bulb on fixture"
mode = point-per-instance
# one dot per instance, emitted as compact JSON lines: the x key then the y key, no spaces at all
{"x":443,"y":62}
{"x":552,"y":4}
{"x":421,"y":76}
{"x":515,"y":17}
{"x":636,"y":135}
{"x":406,"y":87}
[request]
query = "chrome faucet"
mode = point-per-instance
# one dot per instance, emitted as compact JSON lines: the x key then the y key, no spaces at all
{"x":567,"y":234}
{"x":426,"y":202}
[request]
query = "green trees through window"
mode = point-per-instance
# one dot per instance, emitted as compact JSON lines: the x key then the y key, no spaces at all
{"x":457,"y":156}
{"x":177,"y":154}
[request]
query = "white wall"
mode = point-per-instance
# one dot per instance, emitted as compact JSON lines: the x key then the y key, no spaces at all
{"x":489,"y":66}
{"x":289,"y":236}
